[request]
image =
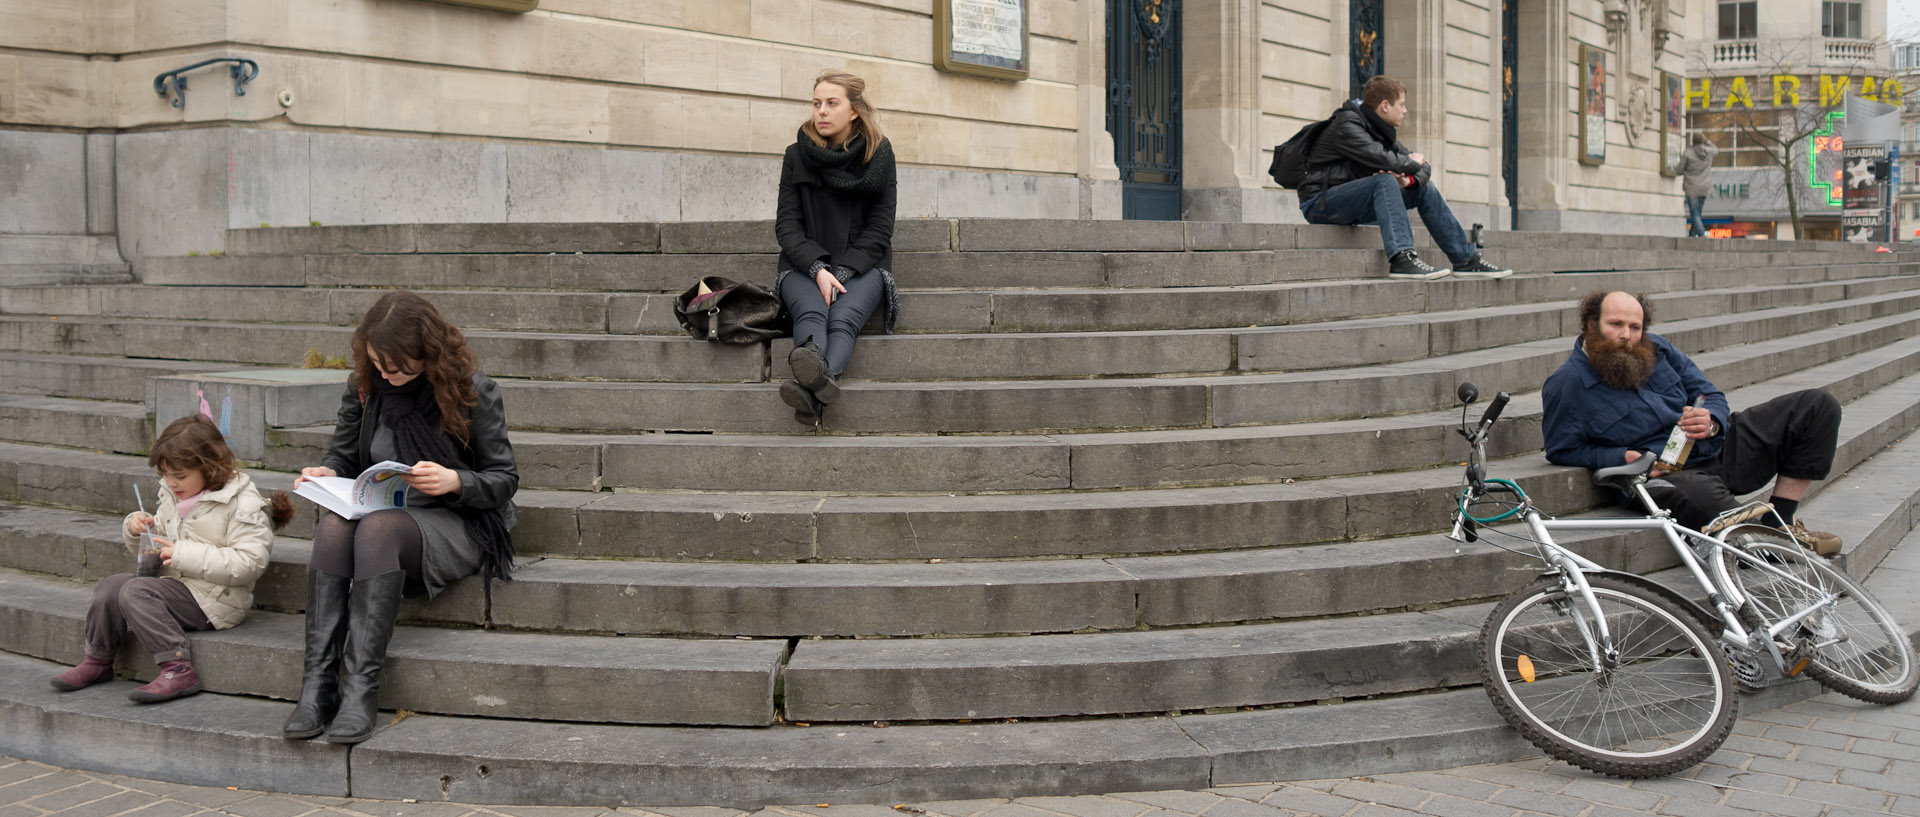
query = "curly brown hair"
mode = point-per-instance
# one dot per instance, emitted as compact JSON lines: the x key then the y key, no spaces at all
{"x":194,"y":443}
{"x":402,"y":326}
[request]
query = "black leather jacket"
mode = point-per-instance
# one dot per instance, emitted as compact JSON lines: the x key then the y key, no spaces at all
{"x":489,"y":479}
{"x":1350,"y":150}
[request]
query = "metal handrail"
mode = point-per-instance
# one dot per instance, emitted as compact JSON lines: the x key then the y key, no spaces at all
{"x":242,"y":70}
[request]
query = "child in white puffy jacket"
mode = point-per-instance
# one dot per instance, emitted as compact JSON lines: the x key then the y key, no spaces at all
{"x":214,"y":531}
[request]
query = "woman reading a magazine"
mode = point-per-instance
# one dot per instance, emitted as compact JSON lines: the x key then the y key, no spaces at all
{"x":416,"y":397}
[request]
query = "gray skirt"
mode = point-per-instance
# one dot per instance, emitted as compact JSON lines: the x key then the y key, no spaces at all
{"x":447,"y":554}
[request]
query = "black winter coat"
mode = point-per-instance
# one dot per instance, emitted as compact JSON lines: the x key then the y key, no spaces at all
{"x":489,"y":478}
{"x":1350,"y":150}
{"x":820,"y":223}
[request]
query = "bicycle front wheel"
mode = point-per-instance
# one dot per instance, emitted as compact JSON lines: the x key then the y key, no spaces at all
{"x":1852,"y":645}
{"x":1660,"y":703}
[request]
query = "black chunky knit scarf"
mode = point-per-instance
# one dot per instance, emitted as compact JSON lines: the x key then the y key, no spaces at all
{"x":411,"y":413}
{"x":841,"y":168}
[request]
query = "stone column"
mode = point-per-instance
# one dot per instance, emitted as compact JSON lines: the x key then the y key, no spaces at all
{"x":1416,"y":55}
{"x":1099,"y":176}
{"x":1222,"y":175}
{"x":1545,"y":114}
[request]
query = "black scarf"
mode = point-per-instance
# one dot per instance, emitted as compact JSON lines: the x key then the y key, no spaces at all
{"x":411,"y":413}
{"x":844,"y":168}
{"x":1387,"y":134}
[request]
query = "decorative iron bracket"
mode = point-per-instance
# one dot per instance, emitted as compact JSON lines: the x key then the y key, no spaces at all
{"x":242,"y":70}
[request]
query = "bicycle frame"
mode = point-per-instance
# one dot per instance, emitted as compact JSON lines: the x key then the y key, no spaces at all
{"x":1723,"y":593}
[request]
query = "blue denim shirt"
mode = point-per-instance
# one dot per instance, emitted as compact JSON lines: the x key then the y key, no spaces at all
{"x":1591,"y":424}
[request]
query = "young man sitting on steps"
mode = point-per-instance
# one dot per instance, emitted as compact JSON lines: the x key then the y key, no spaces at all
{"x":1359,"y":173}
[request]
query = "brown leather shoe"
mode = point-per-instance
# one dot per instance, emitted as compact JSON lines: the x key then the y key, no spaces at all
{"x":90,"y":671}
{"x":177,"y":680}
{"x":1818,"y":541}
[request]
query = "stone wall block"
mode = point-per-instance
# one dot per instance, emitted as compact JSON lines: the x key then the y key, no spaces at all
{"x":372,"y":180}
{"x":577,"y":184}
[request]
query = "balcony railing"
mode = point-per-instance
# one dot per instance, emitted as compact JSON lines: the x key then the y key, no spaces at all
{"x":1849,"y":50}
{"x":1735,"y":52}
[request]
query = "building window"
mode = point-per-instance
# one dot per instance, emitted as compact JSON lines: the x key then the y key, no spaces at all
{"x":1736,"y":19}
{"x":1837,"y":19}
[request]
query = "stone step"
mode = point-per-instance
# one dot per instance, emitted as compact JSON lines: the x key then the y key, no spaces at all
{"x":727,"y":682}
{"x":90,"y":377}
{"x":90,"y":424}
{"x":1054,"y":268}
{"x":233,"y":740}
{"x":775,"y":528}
{"x":1303,"y":306}
{"x":678,"y":359}
{"x":927,"y":235}
{"x":1113,"y":404}
{"x":971,"y":464}
{"x":892,"y":600}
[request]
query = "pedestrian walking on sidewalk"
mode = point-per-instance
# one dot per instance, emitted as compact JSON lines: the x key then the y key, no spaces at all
{"x":1696,"y":182}
{"x":835,"y":228}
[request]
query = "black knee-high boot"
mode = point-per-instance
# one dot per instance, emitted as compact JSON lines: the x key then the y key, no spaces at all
{"x":320,"y":681}
{"x":371,"y":609}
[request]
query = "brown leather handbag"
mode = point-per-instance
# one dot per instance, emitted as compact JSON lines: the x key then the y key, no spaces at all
{"x":720,"y":310}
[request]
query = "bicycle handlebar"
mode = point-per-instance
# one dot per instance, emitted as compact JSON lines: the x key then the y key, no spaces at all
{"x":1493,"y":411}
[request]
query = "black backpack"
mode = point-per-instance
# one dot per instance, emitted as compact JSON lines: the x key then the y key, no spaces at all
{"x":1289,"y":166}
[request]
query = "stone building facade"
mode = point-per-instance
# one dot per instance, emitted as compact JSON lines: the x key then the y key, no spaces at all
{"x":376,"y":111}
{"x":1767,"y":71}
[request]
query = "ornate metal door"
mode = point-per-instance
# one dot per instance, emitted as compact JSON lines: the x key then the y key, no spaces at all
{"x":1510,"y":106}
{"x":1366,"y":56}
{"x":1143,"y":105}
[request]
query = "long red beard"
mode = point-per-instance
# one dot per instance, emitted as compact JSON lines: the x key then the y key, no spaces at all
{"x":1620,"y":365}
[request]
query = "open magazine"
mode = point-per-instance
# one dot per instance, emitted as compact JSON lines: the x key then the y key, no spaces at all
{"x":376,"y":489}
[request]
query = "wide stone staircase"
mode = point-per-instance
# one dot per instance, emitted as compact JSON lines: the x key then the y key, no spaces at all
{"x":1123,"y":506}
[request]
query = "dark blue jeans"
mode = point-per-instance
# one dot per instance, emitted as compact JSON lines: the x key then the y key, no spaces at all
{"x":1379,"y":199}
{"x":833,"y":328}
{"x":1694,"y":205}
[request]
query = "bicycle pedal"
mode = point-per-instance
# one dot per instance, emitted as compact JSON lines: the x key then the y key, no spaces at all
{"x":1794,"y":672}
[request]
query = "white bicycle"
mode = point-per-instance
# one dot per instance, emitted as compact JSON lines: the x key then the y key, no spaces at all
{"x":1620,"y":674}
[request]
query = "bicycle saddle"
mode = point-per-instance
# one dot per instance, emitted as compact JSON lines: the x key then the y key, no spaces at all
{"x":1620,"y":476}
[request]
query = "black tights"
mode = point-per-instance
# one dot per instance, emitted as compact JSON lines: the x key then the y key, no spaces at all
{"x":375,"y":545}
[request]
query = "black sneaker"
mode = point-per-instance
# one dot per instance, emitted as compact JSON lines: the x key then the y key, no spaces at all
{"x":1479,"y":268}
{"x":1406,"y":265}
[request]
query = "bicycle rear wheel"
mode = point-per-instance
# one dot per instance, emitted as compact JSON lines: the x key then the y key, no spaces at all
{"x":1663,"y":704}
{"x":1854,"y":647}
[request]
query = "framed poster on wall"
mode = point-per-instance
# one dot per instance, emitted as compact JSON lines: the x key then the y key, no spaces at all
{"x":1593,"y":105}
{"x":1673,"y":124}
{"x":983,"y":37}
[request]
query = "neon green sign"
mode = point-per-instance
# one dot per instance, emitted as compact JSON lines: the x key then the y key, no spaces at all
{"x":1823,"y":142}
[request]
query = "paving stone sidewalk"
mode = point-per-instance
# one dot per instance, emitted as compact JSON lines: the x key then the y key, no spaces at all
{"x":1824,"y":757}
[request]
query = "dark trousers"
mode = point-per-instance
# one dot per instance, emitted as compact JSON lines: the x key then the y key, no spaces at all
{"x":158,"y":610}
{"x":833,"y":328}
{"x":1793,"y":435}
